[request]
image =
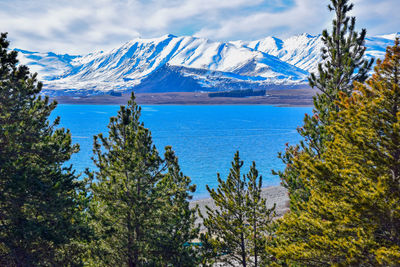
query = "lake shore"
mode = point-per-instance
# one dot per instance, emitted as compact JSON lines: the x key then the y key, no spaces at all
{"x":274,"y":195}
{"x":278,"y":97}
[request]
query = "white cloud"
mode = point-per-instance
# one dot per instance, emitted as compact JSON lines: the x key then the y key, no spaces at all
{"x":378,"y":17}
{"x":311,"y":16}
{"x":304,"y":16}
{"x":78,"y":26}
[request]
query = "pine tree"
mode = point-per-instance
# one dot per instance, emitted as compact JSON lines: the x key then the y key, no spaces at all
{"x":177,"y":220}
{"x":41,"y":201}
{"x":343,"y":63}
{"x":259,"y":218}
{"x":237,"y":227}
{"x":352,"y":217}
{"x":136,"y":205}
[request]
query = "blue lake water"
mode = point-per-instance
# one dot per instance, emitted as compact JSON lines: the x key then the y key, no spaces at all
{"x":204,"y":138}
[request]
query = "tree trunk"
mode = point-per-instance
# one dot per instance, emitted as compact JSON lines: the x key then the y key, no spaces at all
{"x":130,"y":241}
{"x":137,"y":228}
{"x":255,"y":237}
{"x":243,"y":247}
{"x":19,"y":258}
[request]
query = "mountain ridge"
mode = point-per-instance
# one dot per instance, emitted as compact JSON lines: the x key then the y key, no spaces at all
{"x":186,"y":63}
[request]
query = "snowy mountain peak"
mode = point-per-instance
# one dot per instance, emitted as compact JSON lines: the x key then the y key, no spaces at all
{"x":172,"y":63}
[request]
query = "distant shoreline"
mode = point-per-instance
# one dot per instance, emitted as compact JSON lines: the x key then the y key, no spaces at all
{"x":283,"y":97}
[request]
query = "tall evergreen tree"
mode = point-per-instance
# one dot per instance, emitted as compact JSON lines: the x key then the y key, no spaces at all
{"x":343,"y":64}
{"x":259,"y":218}
{"x":173,"y":244}
{"x":237,"y":228}
{"x":139,"y":198}
{"x":352,"y":217}
{"x":41,"y":201}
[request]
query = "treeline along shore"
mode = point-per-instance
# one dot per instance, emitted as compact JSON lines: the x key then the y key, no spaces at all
{"x":279,"y":97}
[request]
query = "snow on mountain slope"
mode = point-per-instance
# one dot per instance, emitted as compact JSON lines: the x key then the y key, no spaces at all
{"x":47,"y":65}
{"x":304,"y":51}
{"x":186,"y":63}
{"x":124,"y":67}
{"x":376,"y":46}
{"x":391,"y":36}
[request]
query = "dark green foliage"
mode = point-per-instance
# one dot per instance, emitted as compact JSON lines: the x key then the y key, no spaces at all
{"x":237,"y":229}
{"x":343,"y":64}
{"x":298,"y":192}
{"x":41,"y":202}
{"x":343,"y":55}
{"x":177,"y":229}
{"x":238,"y":93}
{"x":140,"y":208}
{"x":258,"y":218}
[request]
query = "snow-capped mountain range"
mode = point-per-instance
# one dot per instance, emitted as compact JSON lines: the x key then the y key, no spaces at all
{"x":172,"y":64}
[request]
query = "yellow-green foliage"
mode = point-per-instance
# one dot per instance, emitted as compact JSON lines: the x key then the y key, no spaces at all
{"x":352,"y":217}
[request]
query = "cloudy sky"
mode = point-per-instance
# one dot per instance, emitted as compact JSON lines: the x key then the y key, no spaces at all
{"x":81,"y":26}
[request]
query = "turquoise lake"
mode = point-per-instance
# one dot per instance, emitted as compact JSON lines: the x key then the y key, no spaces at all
{"x":204,"y":138}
